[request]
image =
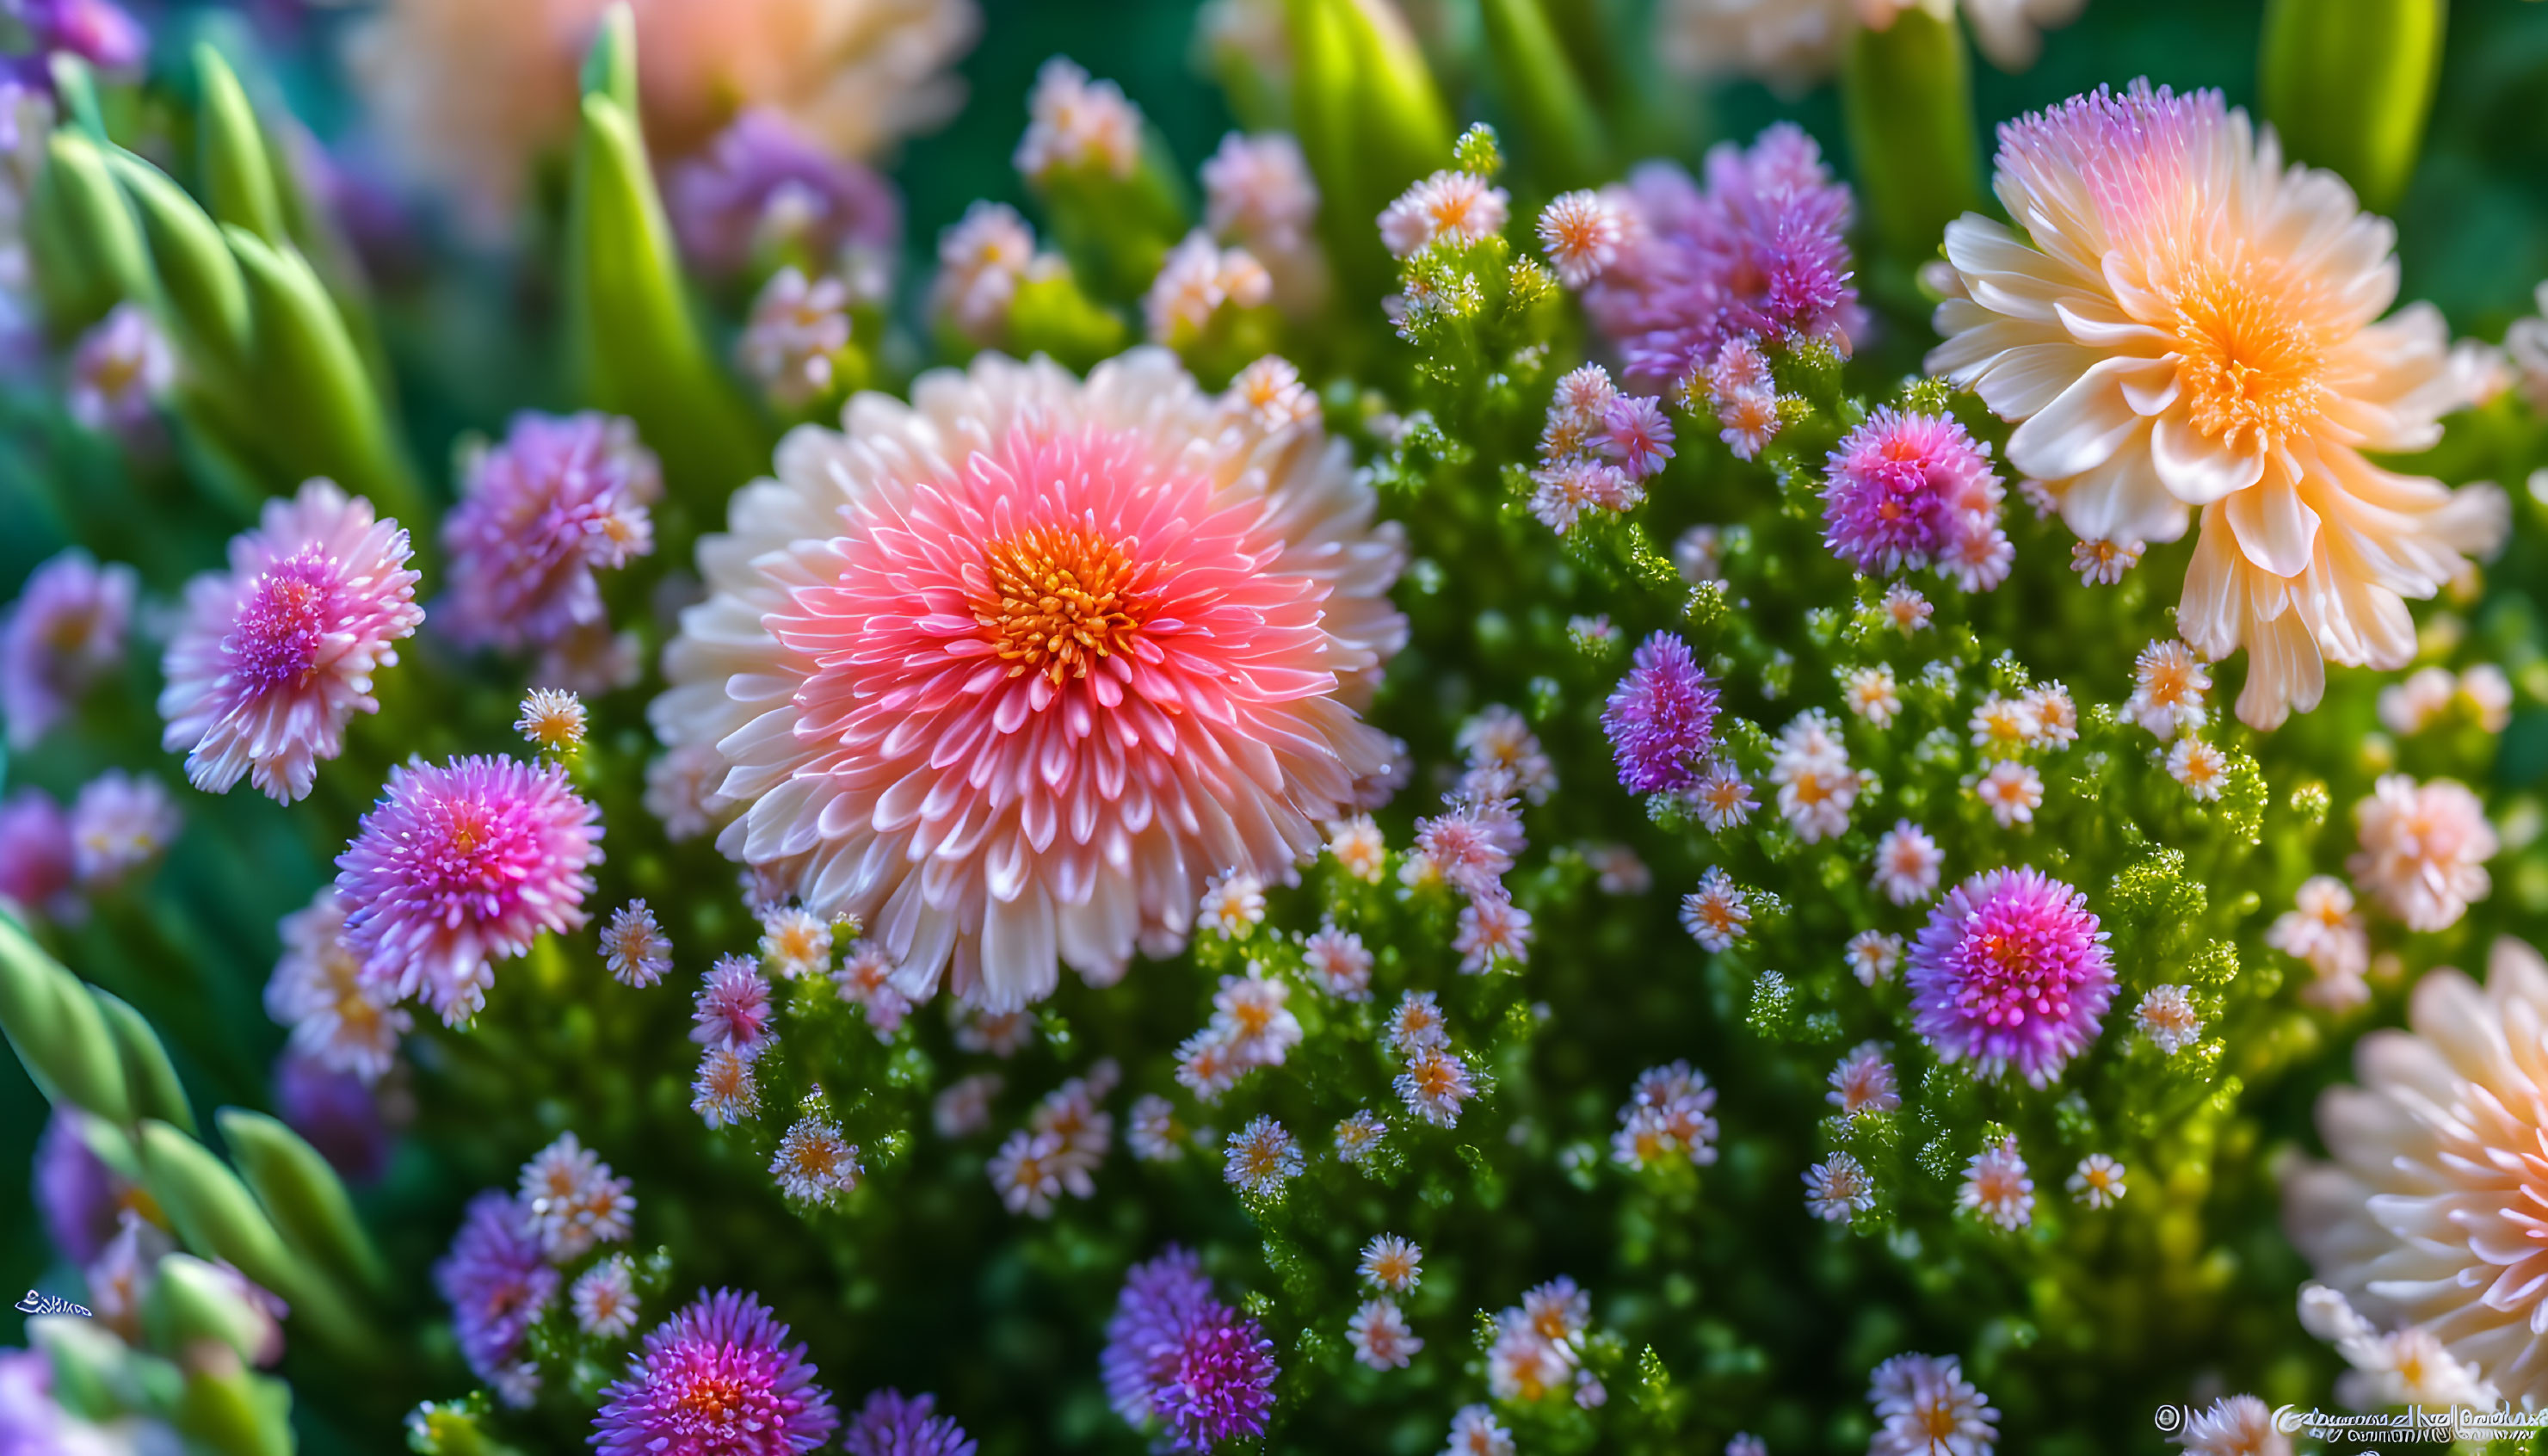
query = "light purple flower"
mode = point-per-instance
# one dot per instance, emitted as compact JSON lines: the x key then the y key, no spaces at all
{"x":120,"y":371}
{"x":1907,"y":491}
{"x":78,"y":1195}
{"x":65,"y":632}
{"x":718,"y":1379}
{"x":762,"y":183}
{"x":277,"y":653}
{"x":459,"y":865}
{"x":497,"y":1287}
{"x":893,"y":1424}
{"x":1661,"y":718}
{"x":1759,"y":253}
{"x":99,"y":31}
{"x":2011,"y":972}
{"x":120,"y":823}
{"x":562,"y":497}
{"x":38,"y":863}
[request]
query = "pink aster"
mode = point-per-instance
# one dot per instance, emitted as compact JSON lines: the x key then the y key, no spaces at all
{"x":1759,"y":253}
{"x":732,"y":1009}
{"x":2011,"y":972}
{"x":63,"y":633}
{"x":1634,"y":432}
{"x":562,"y":497}
{"x":1008,"y":672}
{"x":462,"y":865}
{"x":718,"y":1379}
{"x":277,"y":653}
{"x":1904,"y":490}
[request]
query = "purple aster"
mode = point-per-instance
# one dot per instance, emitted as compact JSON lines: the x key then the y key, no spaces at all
{"x":1759,"y":253}
{"x":1902,"y":489}
{"x":1158,"y":1299}
{"x":563,"y":497}
{"x":2011,"y":971}
{"x":1222,"y":1383}
{"x":1179,"y":1355}
{"x":1662,"y":718}
{"x":762,"y":181}
{"x":120,"y":823}
{"x":462,"y":865}
{"x":337,"y":1112}
{"x":497,"y":1287}
{"x":64,"y":633}
{"x":732,"y":1011}
{"x":718,"y":1379}
{"x":39,"y":861}
{"x":81,"y":1198}
{"x":893,"y":1424}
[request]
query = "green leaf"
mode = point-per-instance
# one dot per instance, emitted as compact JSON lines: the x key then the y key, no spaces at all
{"x":1561,"y":132}
{"x":87,"y":249}
{"x":1907,"y":91}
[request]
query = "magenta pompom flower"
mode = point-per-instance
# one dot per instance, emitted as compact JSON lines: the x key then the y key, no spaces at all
{"x":497,"y":1287}
{"x":1176,"y":1355}
{"x":459,"y":865}
{"x":562,"y":497}
{"x":2011,"y":972}
{"x":718,"y":1379}
{"x":1760,"y":252}
{"x":277,"y":653}
{"x":1008,"y":672}
{"x":1905,"y":490}
{"x":1662,"y":718}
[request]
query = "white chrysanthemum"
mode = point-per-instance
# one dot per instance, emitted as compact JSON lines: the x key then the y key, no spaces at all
{"x":1001,"y":785}
{"x":2429,"y":1215}
{"x":2179,"y":322}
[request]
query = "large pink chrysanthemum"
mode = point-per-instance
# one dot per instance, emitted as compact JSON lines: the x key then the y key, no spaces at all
{"x":2179,"y":320}
{"x":1010,"y":671}
{"x":2431,"y":1213}
{"x":462,"y":865}
{"x":277,"y":653}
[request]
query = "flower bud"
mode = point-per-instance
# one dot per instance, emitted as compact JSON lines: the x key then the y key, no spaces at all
{"x":190,"y":1302}
{"x":1908,"y":94}
{"x":2348,"y":85}
{"x":59,"y":1032}
{"x":302,"y":1194}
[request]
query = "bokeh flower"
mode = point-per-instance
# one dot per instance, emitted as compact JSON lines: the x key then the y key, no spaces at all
{"x":562,"y":497}
{"x":63,"y":633}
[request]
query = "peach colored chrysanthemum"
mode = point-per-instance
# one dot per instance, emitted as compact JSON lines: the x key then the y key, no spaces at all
{"x":2430,"y":1214}
{"x":2177,"y":320}
{"x":1010,"y":671}
{"x":466,"y":93}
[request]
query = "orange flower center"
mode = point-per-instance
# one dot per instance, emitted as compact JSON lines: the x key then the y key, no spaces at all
{"x":1061,"y":598}
{"x":2253,"y":361}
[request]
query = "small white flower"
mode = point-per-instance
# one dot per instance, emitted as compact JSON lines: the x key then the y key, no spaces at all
{"x":1718,"y":913}
{"x":2166,"y":1015}
{"x":1996,"y":1187}
{"x":2013,"y":791}
{"x":2200,"y":766}
{"x":2098,"y":1183}
{"x":1907,"y":864}
{"x":1837,"y":1189}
